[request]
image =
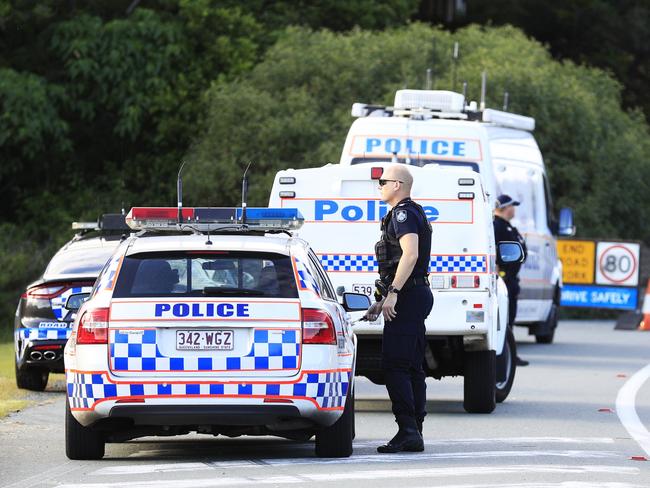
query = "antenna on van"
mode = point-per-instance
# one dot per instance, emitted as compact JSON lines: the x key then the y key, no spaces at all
{"x":483,"y":84}
{"x":179,"y":192}
{"x":428,"y":82}
{"x":465,"y":90}
{"x":506,"y":95}
{"x":454,"y":64}
{"x":244,"y":193}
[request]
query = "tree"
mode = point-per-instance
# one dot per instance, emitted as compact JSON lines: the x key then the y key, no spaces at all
{"x":293,"y":111}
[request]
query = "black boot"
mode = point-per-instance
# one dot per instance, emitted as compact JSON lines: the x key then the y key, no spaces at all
{"x":407,"y":438}
{"x":419,"y":423}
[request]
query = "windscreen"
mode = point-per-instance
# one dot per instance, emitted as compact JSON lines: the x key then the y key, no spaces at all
{"x":220,"y":273}
{"x":414,"y":161}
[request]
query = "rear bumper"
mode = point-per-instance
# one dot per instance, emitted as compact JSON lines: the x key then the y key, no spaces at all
{"x":231,"y":415}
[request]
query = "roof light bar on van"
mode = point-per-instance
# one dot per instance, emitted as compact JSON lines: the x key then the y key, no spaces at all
{"x":214,"y":219}
{"x":466,"y":195}
{"x":465,"y":181}
{"x":441,"y":100}
{"x":507,"y":119}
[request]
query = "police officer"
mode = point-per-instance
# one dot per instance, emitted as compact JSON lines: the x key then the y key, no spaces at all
{"x":405,"y":301}
{"x":505,"y":231}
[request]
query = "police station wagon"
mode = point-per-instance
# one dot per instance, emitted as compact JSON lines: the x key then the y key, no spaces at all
{"x":233,"y":328}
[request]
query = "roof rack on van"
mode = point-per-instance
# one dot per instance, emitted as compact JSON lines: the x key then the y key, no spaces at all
{"x":441,"y":104}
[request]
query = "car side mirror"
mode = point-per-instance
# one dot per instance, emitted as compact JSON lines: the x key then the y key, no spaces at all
{"x":75,"y":301}
{"x":566,"y":226}
{"x":510,"y":252}
{"x":355,"y":302}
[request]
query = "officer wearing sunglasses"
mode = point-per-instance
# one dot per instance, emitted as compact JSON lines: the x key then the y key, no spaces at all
{"x":405,"y":300}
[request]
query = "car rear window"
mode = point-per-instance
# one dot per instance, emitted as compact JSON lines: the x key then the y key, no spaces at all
{"x":219,"y":273}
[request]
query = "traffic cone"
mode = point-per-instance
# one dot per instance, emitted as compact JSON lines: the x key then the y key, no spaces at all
{"x":645,"y":321}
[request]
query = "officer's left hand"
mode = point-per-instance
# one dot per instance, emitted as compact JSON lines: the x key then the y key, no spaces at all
{"x":388,"y":308}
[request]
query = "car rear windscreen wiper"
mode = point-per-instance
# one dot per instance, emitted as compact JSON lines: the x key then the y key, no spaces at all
{"x":225,"y":290}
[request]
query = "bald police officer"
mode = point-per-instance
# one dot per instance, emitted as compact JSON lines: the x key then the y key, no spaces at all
{"x":406,"y":300}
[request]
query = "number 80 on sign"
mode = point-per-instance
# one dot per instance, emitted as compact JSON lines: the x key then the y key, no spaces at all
{"x":617,"y":263}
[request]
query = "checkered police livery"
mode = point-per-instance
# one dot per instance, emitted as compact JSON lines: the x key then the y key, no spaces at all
{"x":349,"y":262}
{"x":438,"y":264}
{"x":326,"y":389}
{"x":58,"y":303}
{"x":45,"y":333}
{"x":461,"y":263}
{"x":306,"y":279}
{"x":136,"y":350}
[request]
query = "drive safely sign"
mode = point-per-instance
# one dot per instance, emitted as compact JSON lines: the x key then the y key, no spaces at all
{"x":599,"y":297}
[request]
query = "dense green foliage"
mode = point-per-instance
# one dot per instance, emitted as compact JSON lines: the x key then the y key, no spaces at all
{"x":101,"y":100}
{"x":292,"y":110}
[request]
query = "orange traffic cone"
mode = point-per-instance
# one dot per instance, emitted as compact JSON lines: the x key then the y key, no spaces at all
{"x":645,"y":321}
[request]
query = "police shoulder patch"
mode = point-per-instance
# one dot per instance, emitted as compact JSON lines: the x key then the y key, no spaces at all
{"x":401,"y":215}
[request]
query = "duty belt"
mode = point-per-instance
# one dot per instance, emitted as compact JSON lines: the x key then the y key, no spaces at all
{"x":410,"y":283}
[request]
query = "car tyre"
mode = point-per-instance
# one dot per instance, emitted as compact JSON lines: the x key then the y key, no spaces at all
{"x":336,"y":440}
{"x":549,"y":326}
{"x":81,"y":442}
{"x":480,"y":382}
{"x":507,"y":361}
{"x":34,"y":379}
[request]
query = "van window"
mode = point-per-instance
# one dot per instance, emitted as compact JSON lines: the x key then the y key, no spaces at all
{"x":520,"y":183}
{"x":220,"y":273}
{"x":420,"y":162}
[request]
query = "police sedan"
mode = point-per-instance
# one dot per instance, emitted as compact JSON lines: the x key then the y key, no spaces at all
{"x":44,"y":316}
{"x":232,"y":329}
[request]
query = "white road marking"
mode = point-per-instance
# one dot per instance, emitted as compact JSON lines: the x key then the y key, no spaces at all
{"x":503,"y":440}
{"x":626,"y":410}
{"x":455,"y":471}
{"x":127,"y":470}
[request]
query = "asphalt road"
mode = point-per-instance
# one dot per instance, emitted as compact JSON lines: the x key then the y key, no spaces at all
{"x":560,"y":427}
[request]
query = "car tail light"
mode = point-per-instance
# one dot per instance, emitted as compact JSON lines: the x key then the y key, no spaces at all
{"x":317,"y":327}
{"x":46,"y":291}
{"x":376,"y":172}
{"x":93,"y":327}
{"x":461,"y":281}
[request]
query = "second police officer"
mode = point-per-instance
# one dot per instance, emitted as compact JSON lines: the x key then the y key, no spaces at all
{"x":505,"y":231}
{"x":406,"y":300}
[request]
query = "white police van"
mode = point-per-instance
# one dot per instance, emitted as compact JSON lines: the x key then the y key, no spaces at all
{"x":436,"y":127}
{"x":213,"y":322}
{"x":467,"y":328}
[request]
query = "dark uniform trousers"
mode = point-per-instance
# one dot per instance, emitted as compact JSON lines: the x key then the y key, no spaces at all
{"x":403,"y":353}
{"x":512,"y":284}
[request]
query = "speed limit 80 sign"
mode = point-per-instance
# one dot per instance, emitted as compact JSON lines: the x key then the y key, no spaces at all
{"x":617,"y":263}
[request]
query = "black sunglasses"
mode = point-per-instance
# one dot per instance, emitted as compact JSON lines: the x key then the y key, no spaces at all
{"x":383,"y":182}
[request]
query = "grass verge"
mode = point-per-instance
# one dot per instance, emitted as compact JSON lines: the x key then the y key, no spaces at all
{"x":11,"y":398}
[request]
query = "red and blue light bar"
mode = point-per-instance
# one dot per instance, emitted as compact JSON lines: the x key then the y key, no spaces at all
{"x":213,"y":218}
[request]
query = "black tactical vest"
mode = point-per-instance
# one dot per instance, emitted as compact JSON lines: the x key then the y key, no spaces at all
{"x":387,"y":250}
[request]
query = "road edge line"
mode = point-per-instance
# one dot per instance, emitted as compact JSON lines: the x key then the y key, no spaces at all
{"x":626,"y":408}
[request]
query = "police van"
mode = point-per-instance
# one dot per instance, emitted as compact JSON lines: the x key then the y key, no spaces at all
{"x":467,"y":329}
{"x":429,"y":127}
{"x":216,"y":321}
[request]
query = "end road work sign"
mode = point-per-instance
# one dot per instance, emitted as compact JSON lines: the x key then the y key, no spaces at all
{"x":599,"y":274}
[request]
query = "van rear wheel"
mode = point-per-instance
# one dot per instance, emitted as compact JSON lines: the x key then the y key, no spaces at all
{"x":549,"y":326}
{"x":336,"y":440}
{"x":480,"y":381}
